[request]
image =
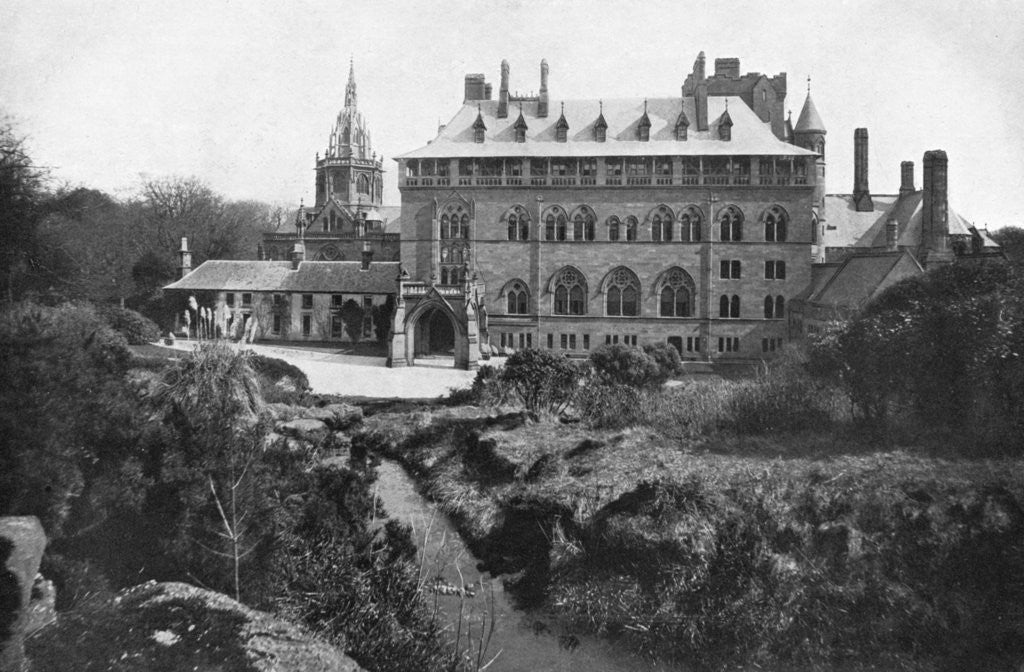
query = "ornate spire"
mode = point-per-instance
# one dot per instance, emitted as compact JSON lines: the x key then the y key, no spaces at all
{"x":350,"y":89}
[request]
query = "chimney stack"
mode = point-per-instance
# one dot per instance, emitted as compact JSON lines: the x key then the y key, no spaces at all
{"x":503,"y":92}
{"x":935,"y":204}
{"x":298,"y":255}
{"x":185,"y":259}
{"x":475,"y":87}
{"x":891,"y":234}
{"x":542,"y":103}
{"x":367,"y":256}
{"x":907,"y":178}
{"x":861,"y":192}
{"x":727,"y":67}
{"x":700,"y":96}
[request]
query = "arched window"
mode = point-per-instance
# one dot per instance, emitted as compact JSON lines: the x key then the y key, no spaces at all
{"x":622,"y":294}
{"x":583,"y":220}
{"x":661,"y":225}
{"x":730,"y":222}
{"x":363,"y":184}
{"x":454,"y":228}
{"x":346,"y":136}
{"x":555,"y":224}
{"x":690,"y":225}
{"x":814,"y":228}
{"x":676,"y":296}
{"x":631,"y":227}
{"x":517,"y":221}
{"x":613,"y":228}
{"x":729,"y":307}
{"x":570,"y":293}
{"x":775,"y":220}
{"x":518,"y":299}
{"x":780,"y":307}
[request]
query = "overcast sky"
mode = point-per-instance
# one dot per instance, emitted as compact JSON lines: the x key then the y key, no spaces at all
{"x":243,"y":94}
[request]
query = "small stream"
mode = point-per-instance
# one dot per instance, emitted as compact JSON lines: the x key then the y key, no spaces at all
{"x":524,"y":641}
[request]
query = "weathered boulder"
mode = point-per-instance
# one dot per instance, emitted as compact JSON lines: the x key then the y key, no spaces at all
{"x":283,"y":412}
{"x":22,"y":542}
{"x":176,"y":626}
{"x":305,"y":429}
{"x":342,"y":416}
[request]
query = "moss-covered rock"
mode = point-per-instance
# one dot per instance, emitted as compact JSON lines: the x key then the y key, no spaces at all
{"x":175,"y":626}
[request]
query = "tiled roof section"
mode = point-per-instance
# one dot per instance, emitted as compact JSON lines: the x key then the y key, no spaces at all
{"x":863,"y":275}
{"x":750,"y":135}
{"x":867,"y":229}
{"x":278,"y":276}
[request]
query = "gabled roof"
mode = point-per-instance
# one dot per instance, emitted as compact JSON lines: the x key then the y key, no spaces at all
{"x":681,"y":120}
{"x":867,"y":229}
{"x":809,"y":121}
{"x":750,"y":135}
{"x":278,"y":276}
{"x":863,"y":276}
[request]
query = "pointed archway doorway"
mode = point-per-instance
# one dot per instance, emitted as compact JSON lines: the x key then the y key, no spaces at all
{"x":435,"y":335}
{"x":429,"y":330}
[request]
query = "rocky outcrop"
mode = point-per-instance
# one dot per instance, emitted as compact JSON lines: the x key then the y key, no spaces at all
{"x":176,"y":626}
{"x":22,"y":542}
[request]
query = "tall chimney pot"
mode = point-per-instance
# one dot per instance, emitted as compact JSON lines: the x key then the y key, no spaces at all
{"x":906,"y":178}
{"x":861,"y":192}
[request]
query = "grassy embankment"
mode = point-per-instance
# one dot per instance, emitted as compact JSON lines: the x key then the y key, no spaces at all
{"x":693,"y":542}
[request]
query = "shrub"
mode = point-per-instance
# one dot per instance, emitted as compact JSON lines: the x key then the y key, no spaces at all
{"x":612,"y":406}
{"x":135,"y":327}
{"x":543,"y":380}
{"x":488,"y":389}
{"x":627,"y":365}
{"x":352,"y":316}
{"x":273,"y":371}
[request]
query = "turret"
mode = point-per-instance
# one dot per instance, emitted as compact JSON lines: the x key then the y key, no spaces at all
{"x":809,"y":133}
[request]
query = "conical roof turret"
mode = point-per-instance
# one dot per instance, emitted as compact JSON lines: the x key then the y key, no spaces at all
{"x":809,"y":121}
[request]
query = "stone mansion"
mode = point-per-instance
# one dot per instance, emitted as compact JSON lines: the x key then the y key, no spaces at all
{"x":699,"y":219}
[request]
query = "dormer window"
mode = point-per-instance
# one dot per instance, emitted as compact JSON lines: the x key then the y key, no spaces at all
{"x":520,"y":128}
{"x":600,"y":126}
{"x":643,"y":128}
{"x":562,"y":127}
{"x":682,"y":126}
{"x":725,"y":125}
{"x":478,"y":126}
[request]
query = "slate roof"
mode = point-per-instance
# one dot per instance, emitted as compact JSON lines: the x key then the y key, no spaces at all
{"x":278,"y":276}
{"x":862,"y":276}
{"x":809,"y":119}
{"x":750,"y":135}
{"x":867,"y":229}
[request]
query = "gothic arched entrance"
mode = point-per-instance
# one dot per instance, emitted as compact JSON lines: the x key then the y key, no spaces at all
{"x":435,"y":334}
